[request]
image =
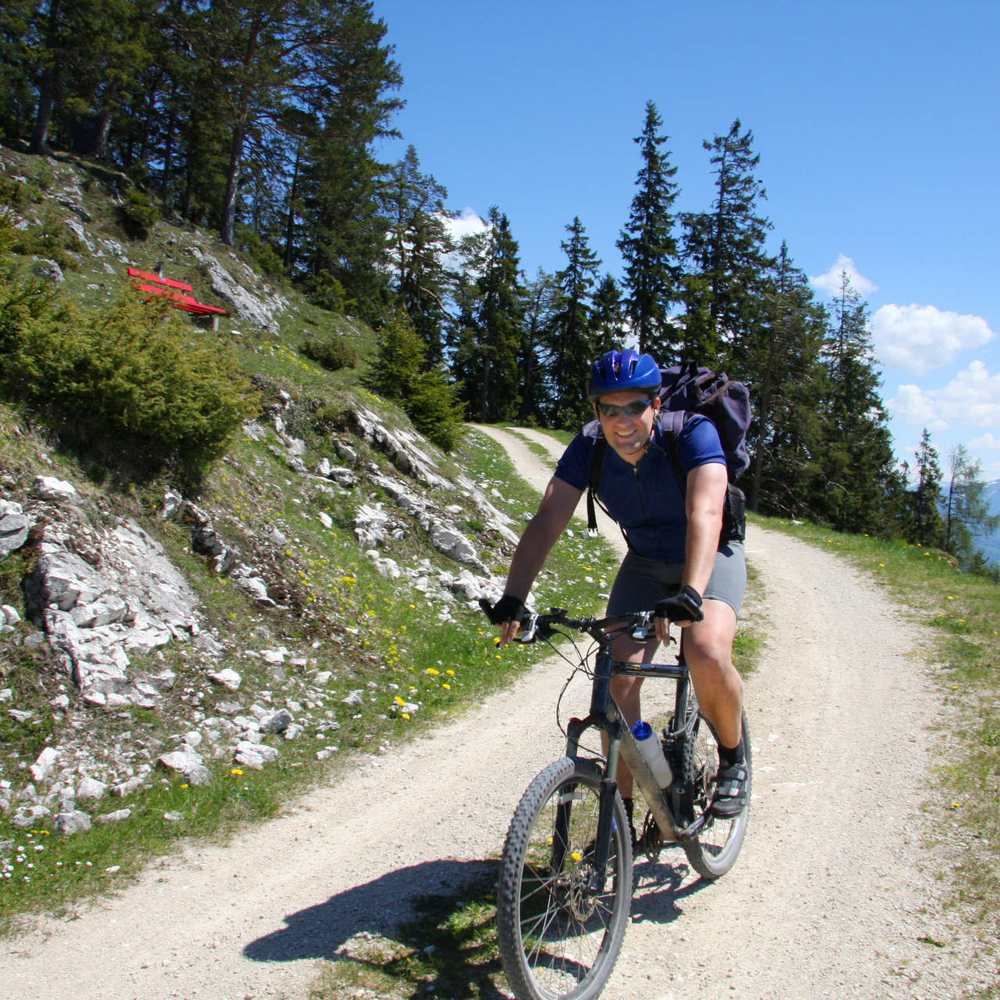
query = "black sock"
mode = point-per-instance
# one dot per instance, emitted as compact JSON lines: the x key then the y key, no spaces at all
{"x":728,"y":756}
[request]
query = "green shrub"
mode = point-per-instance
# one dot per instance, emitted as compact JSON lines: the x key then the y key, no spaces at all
{"x":132,"y":377}
{"x":436,"y":410}
{"x":399,"y":372}
{"x":137,"y":214}
{"x":327,"y":292}
{"x":332,"y":354}
{"x":263,"y":255}
{"x":49,"y":239}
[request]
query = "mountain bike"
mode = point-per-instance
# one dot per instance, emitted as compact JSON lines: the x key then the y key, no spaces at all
{"x":565,"y":885}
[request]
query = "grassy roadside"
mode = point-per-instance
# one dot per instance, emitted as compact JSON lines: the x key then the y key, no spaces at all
{"x":450,"y":950}
{"x":447,"y":669}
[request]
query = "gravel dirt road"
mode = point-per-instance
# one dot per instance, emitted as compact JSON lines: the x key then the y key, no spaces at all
{"x":835,"y":893}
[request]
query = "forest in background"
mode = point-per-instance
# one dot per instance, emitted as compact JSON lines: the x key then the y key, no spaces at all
{"x":260,"y":119}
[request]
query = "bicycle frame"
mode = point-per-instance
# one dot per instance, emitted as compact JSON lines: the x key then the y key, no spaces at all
{"x":607,"y":716}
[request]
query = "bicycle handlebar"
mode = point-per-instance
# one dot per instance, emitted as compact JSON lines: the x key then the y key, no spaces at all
{"x":535,"y":625}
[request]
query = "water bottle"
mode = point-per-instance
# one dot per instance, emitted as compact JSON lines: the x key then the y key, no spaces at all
{"x":649,"y":747}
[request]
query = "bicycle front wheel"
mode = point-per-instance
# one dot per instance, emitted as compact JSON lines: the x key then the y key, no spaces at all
{"x":713,"y":850}
{"x":559,"y":929}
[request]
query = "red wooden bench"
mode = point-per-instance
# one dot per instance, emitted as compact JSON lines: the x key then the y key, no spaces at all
{"x":174,"y":291}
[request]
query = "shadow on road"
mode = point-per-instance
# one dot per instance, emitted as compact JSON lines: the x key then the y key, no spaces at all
{"x":382,"y":905}
{"x":376,"y":907}
{"x":659,"y":887}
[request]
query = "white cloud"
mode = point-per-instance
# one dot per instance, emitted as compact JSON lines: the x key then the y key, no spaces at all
{"x":918,"y":339}
{"x":466,"y":224}
{"x":831,"y":281}
{"x":972,"y":398}
{"x":988,"y":442}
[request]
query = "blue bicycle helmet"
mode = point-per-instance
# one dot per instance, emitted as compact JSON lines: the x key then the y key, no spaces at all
{"x":623,"y":371}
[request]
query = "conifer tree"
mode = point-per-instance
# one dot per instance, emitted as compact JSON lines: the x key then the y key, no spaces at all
{"x":922,"y":519}
{"x":859,"y":487}
{"x":778,"y":358}
{"x":573,"y":340}
{"x":967,"y":512}
{"x":607,"y":317}
{"x":724,"y":253}
{"x":536,"y":358}
{"x":414,"y":205}
{"x":490,"y":335}
{"x":648,"y":245}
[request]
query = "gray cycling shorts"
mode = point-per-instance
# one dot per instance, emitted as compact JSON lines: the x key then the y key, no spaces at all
{"x":642,"y":582}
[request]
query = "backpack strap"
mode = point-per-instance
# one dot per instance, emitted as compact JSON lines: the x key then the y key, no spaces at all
{"x":672,"y":423}
{"x":596,"y":468}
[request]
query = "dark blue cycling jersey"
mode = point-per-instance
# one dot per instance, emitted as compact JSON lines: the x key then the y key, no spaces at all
{"x":645,"y":499}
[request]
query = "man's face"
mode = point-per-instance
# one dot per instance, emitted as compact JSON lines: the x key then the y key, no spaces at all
{"x":628,"y":432}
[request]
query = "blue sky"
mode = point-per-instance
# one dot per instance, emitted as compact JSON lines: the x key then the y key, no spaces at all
{"x":877,"y":126}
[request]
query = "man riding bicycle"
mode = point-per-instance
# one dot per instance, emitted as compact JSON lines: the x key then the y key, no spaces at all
{"x":677,"y":562}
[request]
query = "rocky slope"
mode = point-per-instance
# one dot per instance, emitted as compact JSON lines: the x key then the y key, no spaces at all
{"x":216,"y":614}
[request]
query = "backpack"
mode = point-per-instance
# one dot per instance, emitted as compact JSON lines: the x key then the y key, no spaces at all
{"x":689,"y":389}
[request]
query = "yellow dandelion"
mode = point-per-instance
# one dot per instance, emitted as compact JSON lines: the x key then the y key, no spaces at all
{"x":432,"y":671}
{"x":406,"y":715}
{"x":236,"y":770}
{"x":447,"y":687}
{"x":398,"y":700}
{"x":450,"y":673}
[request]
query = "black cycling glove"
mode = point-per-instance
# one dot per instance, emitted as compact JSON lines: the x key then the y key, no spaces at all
{"x":684,"y":606}
{"x":508,"y":609}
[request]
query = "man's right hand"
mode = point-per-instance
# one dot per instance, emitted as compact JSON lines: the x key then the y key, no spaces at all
{"x":507,"y":613}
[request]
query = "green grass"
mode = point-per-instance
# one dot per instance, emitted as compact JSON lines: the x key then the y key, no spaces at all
{"x":450,"y":951}
{"x":447,"y":950}
{"x":346,"y":619}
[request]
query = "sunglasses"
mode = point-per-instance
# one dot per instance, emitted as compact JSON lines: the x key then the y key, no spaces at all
{"x":636,"y":409}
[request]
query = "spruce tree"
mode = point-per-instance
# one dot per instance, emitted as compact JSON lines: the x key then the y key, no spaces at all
{"x":607,"y":316}
{"x":537,"y":357}
{"x":414,"y":205}
{"x":859,"y":486}
{"x":922,"y":521}
{"x":724,"y":253}
{"x":573,"y":341}
{"x":648,"y":245}
{"x":967,"y":513}
{"x":779,"y":360}
{"x":490,"y":336}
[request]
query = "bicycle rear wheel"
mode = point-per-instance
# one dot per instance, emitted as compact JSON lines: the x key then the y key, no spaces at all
{"x":559,"y":934}
{"x":713,"y":850}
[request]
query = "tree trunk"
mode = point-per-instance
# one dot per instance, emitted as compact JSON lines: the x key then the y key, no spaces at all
{"x":227,"y":232}
{"x":290,"y":227}
{"x":40,"y":137}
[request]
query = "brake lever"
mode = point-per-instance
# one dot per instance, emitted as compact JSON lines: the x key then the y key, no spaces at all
{"x":529,"y":628}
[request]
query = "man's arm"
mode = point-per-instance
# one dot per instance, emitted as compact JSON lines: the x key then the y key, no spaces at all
{"x":706,"y":498}
{"x":543,"y":530}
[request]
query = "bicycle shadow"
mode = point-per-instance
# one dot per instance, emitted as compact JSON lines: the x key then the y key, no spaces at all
{"x":377,"y":907}
{"x":658,"y":886}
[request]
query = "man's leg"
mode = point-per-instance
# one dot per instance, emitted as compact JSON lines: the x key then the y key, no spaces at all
{"x":708,"y":649}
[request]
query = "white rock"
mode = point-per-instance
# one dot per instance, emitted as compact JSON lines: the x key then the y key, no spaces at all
{"x":42,"y":767}
{"x":228,"y":678}
{"x":72,"y":822}
{"x":50,"y":488}
{"x":91,"y":789}
{"x":115,"y":817}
